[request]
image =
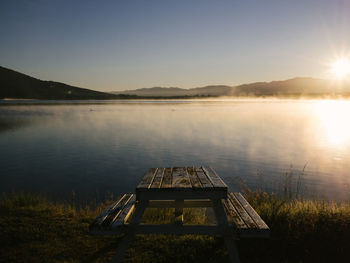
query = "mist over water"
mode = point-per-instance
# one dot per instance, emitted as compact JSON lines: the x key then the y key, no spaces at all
{"x":100,"y":148}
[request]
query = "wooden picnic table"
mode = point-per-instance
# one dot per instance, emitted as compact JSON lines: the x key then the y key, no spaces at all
{"x":181,"y":187}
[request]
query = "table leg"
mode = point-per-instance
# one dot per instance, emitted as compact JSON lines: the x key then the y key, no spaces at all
{"x":130,"y":234}
{"x":222,"y":220}
{"x":179,"y":217}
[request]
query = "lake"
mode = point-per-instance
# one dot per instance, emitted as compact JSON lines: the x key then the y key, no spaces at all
{"x":89,"y":150}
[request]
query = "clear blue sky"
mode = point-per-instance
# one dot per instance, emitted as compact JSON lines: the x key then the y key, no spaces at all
{"x":118,"y":45}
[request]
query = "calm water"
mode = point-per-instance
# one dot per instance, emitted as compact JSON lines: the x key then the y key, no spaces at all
{"x":93,"y":149}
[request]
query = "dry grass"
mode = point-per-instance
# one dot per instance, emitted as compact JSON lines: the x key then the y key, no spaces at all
{"x":32,"y":229}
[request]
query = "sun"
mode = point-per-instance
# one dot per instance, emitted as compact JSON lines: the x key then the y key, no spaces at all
{"x":341,"y":68}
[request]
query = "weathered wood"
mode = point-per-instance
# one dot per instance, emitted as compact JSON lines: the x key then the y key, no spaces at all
{"x":154,"y":175}
{"x":219,"y":211}
{"x":179,"y":217}
{"x":158,"y":178}
{"x":147,"y":178}
{"x":222,"y":221}
{"x":205,"y":182}
{"x":178,"y":183}
{"x":121,"y":209}
{"x":234,"y":215}
{"x":98,"y":221}
{"x":179,"y":188}
{"x":116,"y":211}
{"x":139,"y":210}
{"x":180,"y":178}
{"x":167,"y":178}
{"x":195,"y":182}
{"x":125,"y":213}
{"x":213,"y":177}
{"x":252,"y":213}
{"x":241,"y":211}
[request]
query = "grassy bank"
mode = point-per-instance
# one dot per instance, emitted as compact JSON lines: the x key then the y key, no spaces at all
{"x":33,"y":229}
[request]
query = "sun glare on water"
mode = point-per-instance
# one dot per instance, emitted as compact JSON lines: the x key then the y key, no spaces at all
{"x":334,"y":124}
{"x":341,"y":68}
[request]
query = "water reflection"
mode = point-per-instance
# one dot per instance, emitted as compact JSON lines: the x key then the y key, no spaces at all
{"x":93,"y":149}
{"x":333,"y":117}
{"x":8,"y":124}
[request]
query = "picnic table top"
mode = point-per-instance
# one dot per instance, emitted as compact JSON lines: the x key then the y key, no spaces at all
{"x":181,"y":183}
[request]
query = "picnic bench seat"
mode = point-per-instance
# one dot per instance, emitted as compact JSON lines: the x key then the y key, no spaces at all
{"x":113,"y":218}
{"x":243,"y":218}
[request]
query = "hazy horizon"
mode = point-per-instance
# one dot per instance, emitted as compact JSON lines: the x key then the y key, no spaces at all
{"x":141,"y":44}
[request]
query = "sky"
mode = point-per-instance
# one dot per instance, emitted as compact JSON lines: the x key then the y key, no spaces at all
{"x":121,"y":45}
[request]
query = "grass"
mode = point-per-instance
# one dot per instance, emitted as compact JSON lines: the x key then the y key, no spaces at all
{"x":33,"y":229}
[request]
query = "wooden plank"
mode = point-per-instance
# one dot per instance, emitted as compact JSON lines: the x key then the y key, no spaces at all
{"x":179,"y":217}
{"x":213,"y":177}
{"x":166,"y":183}
{"x":147,"y":178}
{"x":232,"y":212}
{"x":241,"y":211}
{"x":203,"y":178}
{"x":180,"y":178}
{"x":193,"y":177}
{"x":253,"y":214}
{"x":157,"y":178}
{"x":219,"y":211}
{"x":222,"y":221}
{"x":120,"y":217}
{"x":116,"y":211}
{"x":99,"y":220}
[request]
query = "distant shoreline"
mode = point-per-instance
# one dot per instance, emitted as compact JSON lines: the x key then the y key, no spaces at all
{"x":18,"y":86}
{"x":173,"y":98}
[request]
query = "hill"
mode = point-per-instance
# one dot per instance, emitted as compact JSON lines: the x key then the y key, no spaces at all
{"x":296,"y":87}
{"x":214,"y":90}
{"x":20,"y":86}
{"x":16,"y":85}
{"x":293,"y":87}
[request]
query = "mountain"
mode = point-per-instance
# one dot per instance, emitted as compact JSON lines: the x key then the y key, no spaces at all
{"x":17,"y":85}
{"x":214,"y":90}
{"x":20,"y":86}
{"x":293,"y":87}
{"x":296,"y":87}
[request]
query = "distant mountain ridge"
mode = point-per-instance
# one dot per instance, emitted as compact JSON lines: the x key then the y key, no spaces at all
{"x":16,"y":85}
{"x":217,"y":90}
{"x":290,"y":87}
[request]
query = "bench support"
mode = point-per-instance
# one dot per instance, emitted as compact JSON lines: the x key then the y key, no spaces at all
{"x":247,"y":223}
{"x":130,"y":233}
{"x":222,"y":221}
{"x":142,"y":205}
{"x":179,"y":217}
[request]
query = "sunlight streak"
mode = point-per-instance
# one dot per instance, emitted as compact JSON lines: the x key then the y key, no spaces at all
{"x":333,"y":116}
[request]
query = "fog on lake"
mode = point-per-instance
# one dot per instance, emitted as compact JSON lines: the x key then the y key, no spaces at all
{"x":91,"y":149}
